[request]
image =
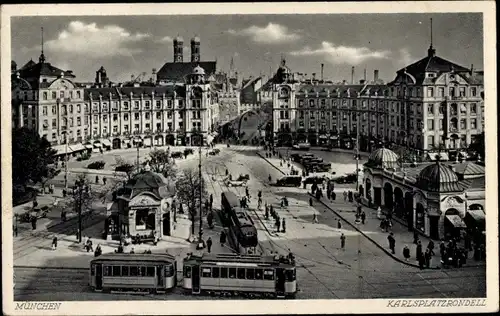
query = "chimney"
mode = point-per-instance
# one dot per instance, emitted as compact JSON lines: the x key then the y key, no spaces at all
{"x":153,"y":77}
{"x":314,"y":76}
{"x":364,"y":76}
{"x":472,"y":69}
{"x":322,"y":67}
{"x":375,"y":75}
{"x":352,"y":75}
{"x":344,"y":81}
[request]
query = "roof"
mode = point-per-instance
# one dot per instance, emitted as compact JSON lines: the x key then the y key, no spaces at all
{"x":136,"y":91}
{"x":178,"y":72}
{"x":43,"y":69}
{"x":383,"y":158}
{"x":469,"y":168}
{"x":432,"y":63}
{"x":29,"y":64}
{"x":475,"y":183}
{"x":236,"y":258}
{"x":439,"y":177}
{"x":147,"y":181}
{"x":135,"y":256}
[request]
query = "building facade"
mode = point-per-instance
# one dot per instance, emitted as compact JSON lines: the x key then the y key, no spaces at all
{"x":431,"y":104}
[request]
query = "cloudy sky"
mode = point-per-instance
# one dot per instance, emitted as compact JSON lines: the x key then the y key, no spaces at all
{"x":127,"y":45}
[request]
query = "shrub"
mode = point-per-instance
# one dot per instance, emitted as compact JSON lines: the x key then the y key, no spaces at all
{"x":188,"y":151}
{"x":176,"y":154}
{"x":97,"y":165}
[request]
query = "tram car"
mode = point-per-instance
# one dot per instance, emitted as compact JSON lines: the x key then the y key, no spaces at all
{"x":229,"y":200}
{"x":124,"y":272}
{"x":246,"y":275}
{"x":242,"y":232}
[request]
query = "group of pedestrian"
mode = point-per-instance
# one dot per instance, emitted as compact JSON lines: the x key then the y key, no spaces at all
{"x":330,"y":193}
{"x":104,"y":180}
{"x":348,"y":196}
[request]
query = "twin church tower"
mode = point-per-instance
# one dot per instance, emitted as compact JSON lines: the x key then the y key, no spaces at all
{"x":179,"y":49}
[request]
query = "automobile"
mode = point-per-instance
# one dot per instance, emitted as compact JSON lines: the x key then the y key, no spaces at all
{"x":295,"y":157}
{"x":314,"y":179}
{"x":188,"y":151}
{"x":289,"y":181}
{"x":37,"y":212}
{"x":212,"y":153}
{"x":243,"y":177}
{"x":302,"y":146}
{"x":234,"y":183}
{"x":348,"y":178}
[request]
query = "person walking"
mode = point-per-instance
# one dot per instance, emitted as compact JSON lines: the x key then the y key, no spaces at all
{"x":315,"y":218}
{"x":283,"y":224}
{"x":419,"y":250}
{"x":54,"y":243}
{"x":427,"y":258}
{"x":104,"y":179}
{"x":406,"y":253}
{"x":345,"y":196}
{"x":278,"y":224}
{"x":415,"y":236}
{"x":333,"y":195}
{"x":430,"y":246}
{"x":363,"y":217}
{"x":442,"y":249}
{"x":392,"y":242}
{"x":421,"y":262}
{"x":209,"y":244}
{"x":342,"y":241}
{"x":96,"y":179}
{"x":222,"y":238}
{"x":339,"y":224}
{"x":310,"y":201}
{"x":98,"y":251}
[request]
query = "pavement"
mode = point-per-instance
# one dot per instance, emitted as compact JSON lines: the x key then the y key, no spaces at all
{"x":371,"y":228}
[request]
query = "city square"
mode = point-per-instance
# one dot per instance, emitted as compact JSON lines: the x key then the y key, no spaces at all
{"x":349,"y":188}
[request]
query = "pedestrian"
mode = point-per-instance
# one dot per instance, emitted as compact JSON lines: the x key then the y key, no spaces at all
{"x":222,"y":238}
{"x":342,"y":241}
{"x":419,"y":250}
{"x":283,"y":224}
{"x":427,"y":258}
{"x":345,"y":196}
{"x":278,"y":224}
{"x":379,"y":213}
{"x":333,"y":195}
{"x":310,"y":202}
{"x":382,"y":224}
{"x":104,"y":179}
{"x":96,"y":179}
{"x":209,"y":244}
{"x":77,"y":234}
{"x":406,"y":253}
{"x":430,"y":246}
{"x":132,"y":250}
{"x":64,"y":193}
{"x":339,"y":224}
{"x":442,"y":249}
{"x":227,"y":172}
{"x":54,"y":243}
{"x":315,"y":218}
{"x":421,"y":262}
{"x":328,"y":195}
{"x":363,"y":217}
{"x":392,"y":242}
{"x":415,"y":236}
{"x":98,"y":251}
{"x":33,"y":222}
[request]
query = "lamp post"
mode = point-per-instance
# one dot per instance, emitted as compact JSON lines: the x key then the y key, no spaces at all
{"x":357,"y":152}
{"x":65,"y":133}
{"x":81,"y":190}
{"x":201,"y":191}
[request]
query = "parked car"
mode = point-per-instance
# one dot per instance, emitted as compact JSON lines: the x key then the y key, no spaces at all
{"x":348,"y":178}
{"x":302,"y":146}
{"x":98,"y":165}
{"x":243,"y":177}
{"x":289,"y":181}
{"x":37,"y":212}
{"x":188,"y":151}
{"x":233,"y":183}
{"x":314,"y":179}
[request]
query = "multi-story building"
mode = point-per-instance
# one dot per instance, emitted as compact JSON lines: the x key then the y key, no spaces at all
{"x":431,"y":102}
{"x":46,"y":98}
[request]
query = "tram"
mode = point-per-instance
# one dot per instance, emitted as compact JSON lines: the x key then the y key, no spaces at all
{"x":246,"y":275}
{"x":154,"y":273}
{"x":242,"y":232}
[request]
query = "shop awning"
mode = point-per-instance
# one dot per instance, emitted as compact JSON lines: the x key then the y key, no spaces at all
{"x":106,"y":142}
{"x":77,"y":147}
{"x":61,"y":149}
{"x":98,"y":145}
{"x":477,"y":215}
{"x":89,"y":146}
{"x":456,"y":221}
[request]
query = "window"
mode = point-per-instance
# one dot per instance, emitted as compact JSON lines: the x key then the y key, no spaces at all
{"x":454,"y":123}
{"x":473,"y":124}
{"x":107,"y":271}
{"x":147,"y":116}
{"x":452,"y":91}
{"x":54,"y":123}
{"x":61,"y":94}
{"x":430,"y":92}
{"x":463,"y":109}
{"x":250,"y":274}
{"x":169,"y":114}
{"x":105,"y":118}
{"x":125,"y":105}
{"x":136,"y":116}
{"x":463,"y":124}
{"x":215,"y":272}
{"x":461,"y":91}
{"x":181,"y":103}
{"x":473,"y":108}
{"x":311,"y":103}
{"x":441,"y":92}
{"x":71,"y":109}
{"x":78,"y":95}
{"x":115,"y":117}
{"x":136,"y":105}
{"x":454,"y":109}
{"x":169,"y":104}
{"x":206,"y":273}
{"x":150,"y":271}
{"x":78,"y":121}
{"x":473,"y":91}
{"x":430,"y":125}
{"x":223,"y":273}
{"x":169,"y":126}
{"x":301,"y":103}
{"x":442,"y":109}
{"x":169,"y":270}
{"x":70,"y":122}
{"x":158,"y":115}
{"x":116,"y":270}
{"x":44,"y":111}
{"x":241,"y":273}
{"x":268,"y":274}
{"x":290,"y":275}
{"x":187,"y":271}
{"x":258,"y":274}
{"x":322,"y":103}
{"x":232,"y":273}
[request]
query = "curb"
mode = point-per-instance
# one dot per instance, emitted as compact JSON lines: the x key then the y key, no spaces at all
{"x":259,"y":154}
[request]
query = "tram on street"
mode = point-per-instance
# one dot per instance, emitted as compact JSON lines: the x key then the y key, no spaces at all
{"x":241,"y":229}
{"x":246,"y":275}
{"x":154,"y":273}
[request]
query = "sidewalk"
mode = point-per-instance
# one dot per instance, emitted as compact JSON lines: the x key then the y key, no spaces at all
{"x":347,"y":211}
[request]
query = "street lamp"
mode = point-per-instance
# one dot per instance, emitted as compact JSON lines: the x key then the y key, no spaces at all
{"x":357,"y":152}
{"x":81,"y":191}
{"x":65,"y":133}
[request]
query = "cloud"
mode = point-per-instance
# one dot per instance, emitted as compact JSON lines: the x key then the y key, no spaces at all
{"x":92,"y":40}
{"x":342,"y":54}
{"x":405,"y":57}
{"x":271,"y":34}
{"x":165,"y":39}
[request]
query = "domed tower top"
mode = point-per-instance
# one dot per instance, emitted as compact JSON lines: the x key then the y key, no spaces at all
{"x":383,"y":158}
{"x":438,"y":178}
{"x":195,"y":49}
{"x":178,"y":49}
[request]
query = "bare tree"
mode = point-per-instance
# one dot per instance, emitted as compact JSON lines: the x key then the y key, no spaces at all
{"x":188,"y":192}
{"x":161,"y":162}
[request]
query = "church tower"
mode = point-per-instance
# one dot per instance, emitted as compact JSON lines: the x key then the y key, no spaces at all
{"x":178,"y":49}
{"x":195,"y":49}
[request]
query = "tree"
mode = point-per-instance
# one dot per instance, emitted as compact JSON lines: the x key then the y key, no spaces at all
{"x":161,"y":162}
{"x":52,"y":171}
{"x":32,"y":156}
{"x":121,"y":165}
{"x":188,"y":192}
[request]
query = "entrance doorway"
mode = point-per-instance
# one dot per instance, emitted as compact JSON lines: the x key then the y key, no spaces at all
{"x":166,"y":224}
{"x":434,"y":227}
{"x":377,"y":196}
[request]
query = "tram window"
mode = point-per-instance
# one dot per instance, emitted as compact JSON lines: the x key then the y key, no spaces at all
{"x":116,"y":271}
{"x":258,"y":274}
{"x":92,"y":269}
{"x":215,"y":272}
{"x":290,"y":275}
{"x":150,"y":271}
{"x":250,"y":274}
{"x":134,"y":271}
{"x":232,"y":273}
{"x":241,"y":273}
{"x":268,"y":274}
{"x":206,"y":273}
{"x":187,"y":271}
{"x":169,"y":270}
{"x":125,"y":271}
{"x":106,"y":271}
{"x":223,"y":273}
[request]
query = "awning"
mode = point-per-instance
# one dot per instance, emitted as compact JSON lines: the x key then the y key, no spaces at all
{"x":477,"y":215}
{"x":89,"y":146}
{"x":106,"y":142}
{"x":61,"y":149}
{"x":77,"y":147}
{"x":456,"y":221}
{"x":433,"y":156}
{"x":98,"y":145}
